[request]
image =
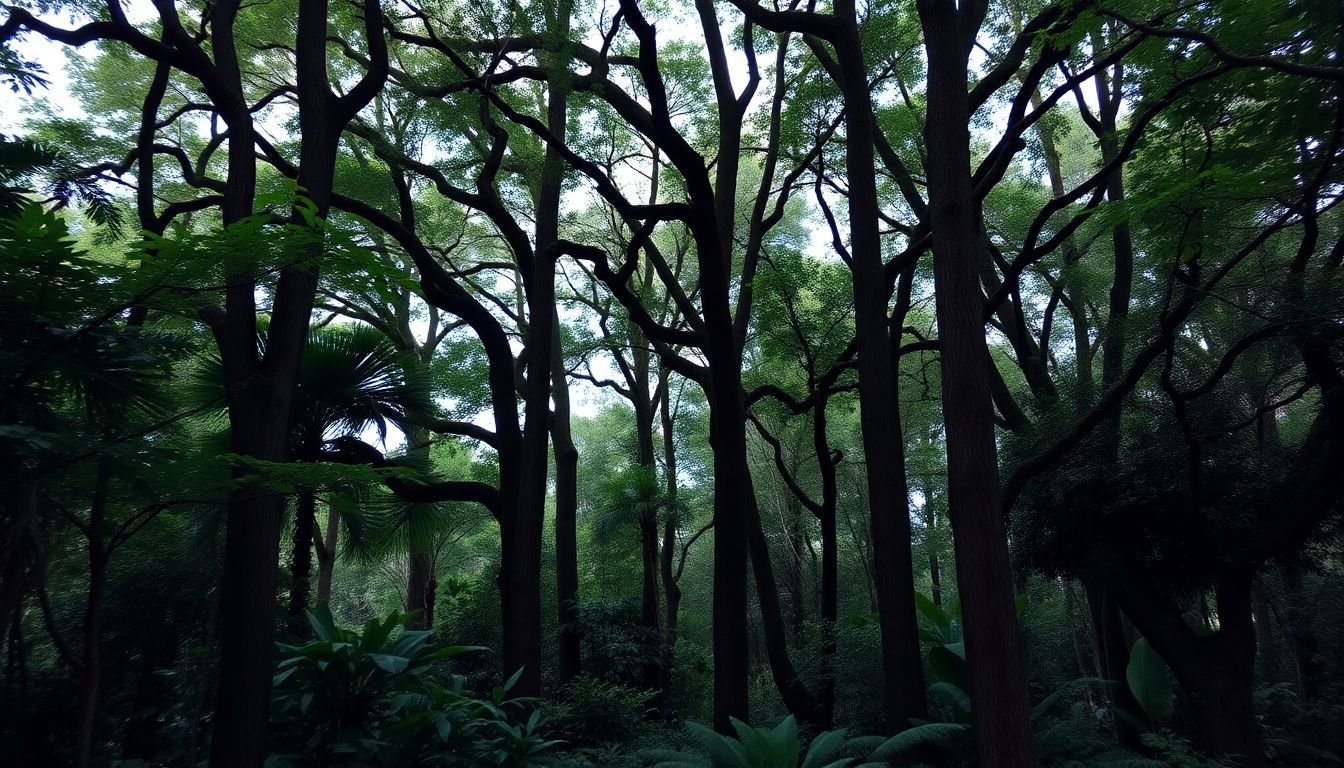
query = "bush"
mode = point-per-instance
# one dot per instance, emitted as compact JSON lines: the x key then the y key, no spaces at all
{"x":379,"y":698}
{"x":593,"y":712}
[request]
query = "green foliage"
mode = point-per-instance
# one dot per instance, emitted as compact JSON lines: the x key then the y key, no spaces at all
{"x":1149,"y":681}
{"x":918,"y":739}
{"x":378,"y":697}
{"x":614,"y":641}
{"x":591,"y":711}
{"x":778,"y":747}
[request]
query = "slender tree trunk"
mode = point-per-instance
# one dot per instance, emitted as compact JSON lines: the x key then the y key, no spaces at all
{"x":830,"y":572}
{"x":419,"y":575}
{"x":984,"y":576}
{"x":1112,"y":652}
{"x":566,"y":519}
{"x":326,"y":556}
{"x":935,"y":575}
{"x":797,"y":532}
{"x":260,"y":396}
{"x":151,"y":697}
{"x":522,"y":637}
{"x":883,"y":442}
{"x":91,"y":672}
{"x":788,"y":682}
{"x":671,"y":591}
{"x":1300,"y":631}
{"x":523,"y":535}
{"x":194,"y":726}
{"x":648,"y":518}
{"x":420,"y":552}
{"x":301,"y":559}
{"x":1107,"y":618}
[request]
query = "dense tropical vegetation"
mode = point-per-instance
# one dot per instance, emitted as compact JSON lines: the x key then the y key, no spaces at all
{"x":678,"y":383}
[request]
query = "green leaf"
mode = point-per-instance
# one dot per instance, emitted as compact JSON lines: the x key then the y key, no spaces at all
{"x":393,"y":664}
{"x":941,"y":735}
{"x":1148,"y":681}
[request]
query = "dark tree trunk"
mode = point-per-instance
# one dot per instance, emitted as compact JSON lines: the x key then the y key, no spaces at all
{"x":830,"y":586}
{"x":732,"y":494}
{"x":645,"y":403}
{"x":418,"y":595}
{"x":648,"y":524}
{"x":1299,"y":630}
{"x":522,"y":636}
{"x":261,"y":389}
{"x":1111,"y":647}
{"x":420,"y":552}
{"x":884,"y":450}
{"x":301,"y":559}
{"x":984,"y":576}
{"x":1217,"y":673}
{"x":91,"y":671}
{"x":797,"y":565}
{"x":671,"y":591}
{"x":522,"y":625}
{"x":935,"y":575}
{"x":566,"y":520}
{"x":142,"y":740}
{"x":797,"y":699}
{"x":326,"y":556}
{"x":1107,"y":618}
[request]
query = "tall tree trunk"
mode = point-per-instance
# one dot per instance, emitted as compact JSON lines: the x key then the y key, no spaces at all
{"x":326,"y":556}
{"x":522,"y":636}
{"x":91,"y":671}
{"x":788,"y":682}
{"x":830,"y":572}
{"x":796,"y":564}
{"x":731,"y":496}
{"x":566,"y":519}
{"x":648,"y":517}
{"x":984,"y":575}
{"x":261,"y":389}
{"x":1219,"y":678}
{"x":935,"y":575}
{"x":1112,"y":652}
{"x":152,"y":692}
{"x":523,"y":534}
{"x":420,"y":549}
{"x":671,"y":590}
{"x":880,"y":421}
{"x":301,"y":558}
{"x":1298,"y":627}
{"x":1107,"y":619}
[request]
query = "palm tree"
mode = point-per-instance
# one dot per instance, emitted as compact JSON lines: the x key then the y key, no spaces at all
{"x":352,"y":379}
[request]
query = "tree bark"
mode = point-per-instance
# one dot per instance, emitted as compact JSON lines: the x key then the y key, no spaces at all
{"x":883,"y":442}
{"x":797,"y":700}
{"x":326,"y":556}
{"x":301,"y":559}
{"x":420,"y":549}
{"x":1299,"y":629}
{"x":648,"y":517}
{"x":566,"y":520}
{"x":671,"y":590}
{"x":261,"y":390}
{"x":91,"y":671}
{"x":984,"y":576}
